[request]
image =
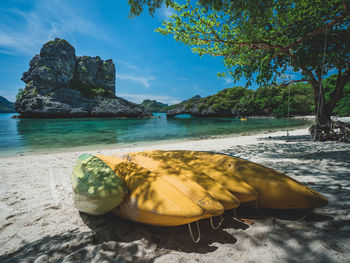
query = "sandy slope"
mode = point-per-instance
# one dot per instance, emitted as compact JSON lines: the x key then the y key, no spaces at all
{"x":38,"y":221}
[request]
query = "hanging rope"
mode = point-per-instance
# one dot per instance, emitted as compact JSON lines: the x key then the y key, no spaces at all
{"x":320,"y":87}
{"x":290,"y":79}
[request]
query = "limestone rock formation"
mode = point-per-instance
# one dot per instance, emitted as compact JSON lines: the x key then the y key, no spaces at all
{"x":60,"y":84}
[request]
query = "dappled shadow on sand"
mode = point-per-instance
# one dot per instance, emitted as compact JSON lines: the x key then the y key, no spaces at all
{"x":300,"y":240}
{"x":115,"y":239}
{"x":110,"y":227}
{"x":320,"y":235}
{"x":323,"y":166}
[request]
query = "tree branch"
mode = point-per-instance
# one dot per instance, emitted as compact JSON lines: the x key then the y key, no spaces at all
{"x":254,"y":45}
{"x":309,"y":73}
{"x":282,"y":49}
{"x":286,"y":84}
{"x":323,"y":28}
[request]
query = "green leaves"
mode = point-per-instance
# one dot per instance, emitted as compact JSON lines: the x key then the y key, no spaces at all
{"x":254,"y":37}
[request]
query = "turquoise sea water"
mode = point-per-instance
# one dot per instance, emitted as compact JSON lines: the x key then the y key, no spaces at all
{"x":21,"y":136}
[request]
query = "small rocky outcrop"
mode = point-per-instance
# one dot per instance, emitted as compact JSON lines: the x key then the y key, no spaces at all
{"x":197,"y":108}
{"x":60,"y":84}
{"x":154,"y":106}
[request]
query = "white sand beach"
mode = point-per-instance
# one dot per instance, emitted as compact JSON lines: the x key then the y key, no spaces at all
{"x":39,"y":223}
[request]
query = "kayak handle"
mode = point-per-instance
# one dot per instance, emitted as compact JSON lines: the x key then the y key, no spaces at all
{"x":191,"y":234}
{"x":218,"y":226}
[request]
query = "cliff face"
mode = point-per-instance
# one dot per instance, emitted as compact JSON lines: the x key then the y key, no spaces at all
{"x":59,"y":84}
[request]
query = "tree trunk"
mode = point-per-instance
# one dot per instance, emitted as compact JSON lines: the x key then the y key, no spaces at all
{"x":326,"y":129}
{"x":322,"y":111}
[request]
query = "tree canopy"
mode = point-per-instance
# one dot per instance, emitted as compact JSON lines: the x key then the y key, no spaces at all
{"x":262,"y":41}
{"x":137,"y":6}
{"x":257,"y":43}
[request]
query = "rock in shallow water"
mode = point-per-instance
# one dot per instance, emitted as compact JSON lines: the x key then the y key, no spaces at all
{"x":59,"y":84}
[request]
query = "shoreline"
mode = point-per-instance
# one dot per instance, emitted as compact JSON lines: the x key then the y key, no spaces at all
{"x":38,"y":220}
{"x":144,"y":143}
{"x":24,"y":152}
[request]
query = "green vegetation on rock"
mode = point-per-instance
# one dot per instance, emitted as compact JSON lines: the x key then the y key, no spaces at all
{"x":34,"y":92}
{"x":154,"y":106}
{"x":90,"y":92}
{"x":58,"y":42}
{"x":20,"y":94}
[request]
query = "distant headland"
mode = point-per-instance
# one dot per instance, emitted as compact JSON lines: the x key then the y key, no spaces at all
{"x":6,"y":106}
{"x":60,"y":84}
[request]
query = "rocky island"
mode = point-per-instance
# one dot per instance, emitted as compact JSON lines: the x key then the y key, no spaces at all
{"x":205,"y":107}
{"x":239,"y":101}
{"x":60,"y":84}
{"x":154,"y":106}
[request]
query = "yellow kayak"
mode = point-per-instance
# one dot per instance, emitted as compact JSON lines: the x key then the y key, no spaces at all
{"x":189,"y":176}
{"x":169,"y":188}
{"x":208,"y":175}
{"x":153,"y":200}
{"x":275,"y":190}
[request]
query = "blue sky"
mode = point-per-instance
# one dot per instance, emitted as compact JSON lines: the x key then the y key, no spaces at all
{"x":149,"y":65}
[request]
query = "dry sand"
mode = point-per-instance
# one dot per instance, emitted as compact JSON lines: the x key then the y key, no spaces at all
{"x":39,"y":223}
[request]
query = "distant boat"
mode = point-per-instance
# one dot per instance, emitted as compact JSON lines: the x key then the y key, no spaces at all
{"x":243,"y":119}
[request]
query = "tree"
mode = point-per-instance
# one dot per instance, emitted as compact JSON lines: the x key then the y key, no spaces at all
{"x":262,"y":42}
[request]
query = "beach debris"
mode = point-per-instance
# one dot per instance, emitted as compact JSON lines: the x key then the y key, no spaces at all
{"x":247,"y":221}
{"x":333,"y":131}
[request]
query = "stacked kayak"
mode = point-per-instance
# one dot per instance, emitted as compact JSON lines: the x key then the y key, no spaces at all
{"x":169,"y":188}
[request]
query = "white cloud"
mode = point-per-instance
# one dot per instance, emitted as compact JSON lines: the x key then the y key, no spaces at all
{"x":127,"y":64}
{"x":24,"y":32}
{"x":138,"y":98}
{"x":166,"y":12}
{"x":228,"y":81}
{"x":144,"y":80}
{"x":196,"y":88}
